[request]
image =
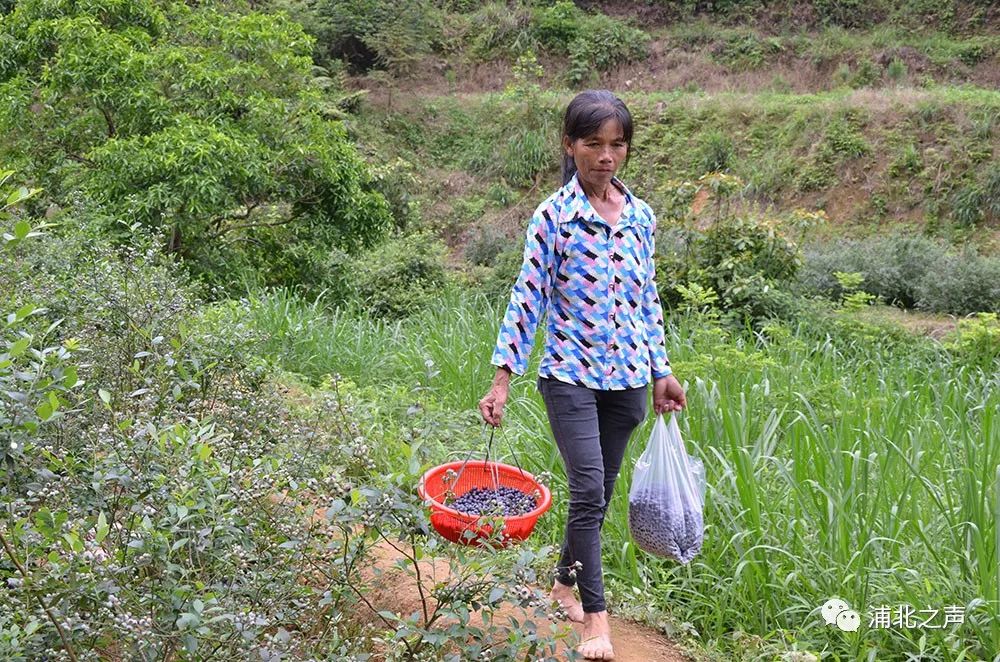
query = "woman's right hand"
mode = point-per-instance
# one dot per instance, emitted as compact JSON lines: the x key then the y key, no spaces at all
{"x":491,"y":406}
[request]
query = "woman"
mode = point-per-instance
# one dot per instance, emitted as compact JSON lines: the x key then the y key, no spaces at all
{"x":588,"y":264}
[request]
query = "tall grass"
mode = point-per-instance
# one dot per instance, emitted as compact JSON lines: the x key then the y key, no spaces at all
{"x":840,"y":462}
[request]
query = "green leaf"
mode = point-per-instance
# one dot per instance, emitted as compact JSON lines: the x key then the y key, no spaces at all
{"x":21,"y":229}
{"x":104,"y":396}
{"x":102,"y":528}
{"x":204,"y":450}
{"x":73,"y":541}
{"x":70,"y":378}
{"x":495,"y":595}
{"x":44,"y":411}
{"x":19,"y":347}
{"x":45,"y":523}
{"x":25,"y":311}
{"x":180,"y":543}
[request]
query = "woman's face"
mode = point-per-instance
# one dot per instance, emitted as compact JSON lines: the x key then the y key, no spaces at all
{"x":598,"y":156}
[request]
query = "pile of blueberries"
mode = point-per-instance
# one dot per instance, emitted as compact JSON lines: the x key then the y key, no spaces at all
{"x":506,"y":501}
{"x":662,"y":525}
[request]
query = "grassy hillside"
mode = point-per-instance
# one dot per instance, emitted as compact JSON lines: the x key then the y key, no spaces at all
{"x":895,"y":123}
{"x":920,"y":157}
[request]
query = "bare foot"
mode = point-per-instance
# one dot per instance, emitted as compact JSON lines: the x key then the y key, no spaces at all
{"x":596,"y":643}
{"x":564,"y":596}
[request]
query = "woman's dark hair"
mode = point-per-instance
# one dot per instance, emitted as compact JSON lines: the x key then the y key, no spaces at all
{"x":584,"y":116}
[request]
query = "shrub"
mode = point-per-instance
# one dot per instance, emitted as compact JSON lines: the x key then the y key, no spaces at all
{"x":896,"y":71}
{"x":202,"y":124}
{"x":977,"y":201}
{"x":909,"y":162}
{"x":368,"y":33}
{"x":846,"y":13}
{"x":743,"y":263}
{"x":401,"y":276}
{"x":911,"y":271}
{"x":977,"y":341}
{"x":865,"y":75}
{"x":502,"y":31}
{"x":559,"y":25}
{"x":603,"y":44}
{"x":498,"y":282}
{"x":960,"y":284}
{"x":486,"y":246}
{"x":715,"y":152}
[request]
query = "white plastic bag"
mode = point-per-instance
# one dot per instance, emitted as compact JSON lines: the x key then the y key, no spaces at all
{"x":667,"y":496}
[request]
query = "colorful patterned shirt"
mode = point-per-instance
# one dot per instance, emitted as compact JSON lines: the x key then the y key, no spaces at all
{"x":595,"y":282}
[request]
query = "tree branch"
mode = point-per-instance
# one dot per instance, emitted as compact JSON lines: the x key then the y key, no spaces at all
{"x":224,"y":231}
{"x":109,"y":120}
{"x":217,"y":223}
{"x":20,"y":568}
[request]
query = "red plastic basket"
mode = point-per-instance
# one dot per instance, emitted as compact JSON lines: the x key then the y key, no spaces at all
{"x":453,"y":524}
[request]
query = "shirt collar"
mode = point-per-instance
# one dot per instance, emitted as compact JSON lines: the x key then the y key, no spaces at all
{"x":579,"y":206}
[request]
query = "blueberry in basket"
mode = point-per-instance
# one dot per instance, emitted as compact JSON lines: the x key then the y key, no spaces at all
{"x":506,"y":501}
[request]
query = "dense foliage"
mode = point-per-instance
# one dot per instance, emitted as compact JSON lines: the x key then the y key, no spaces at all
{"x":205,"y":124}
{"x":255,"y":254}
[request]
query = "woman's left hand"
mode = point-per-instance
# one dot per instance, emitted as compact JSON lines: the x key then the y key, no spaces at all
{"x":668,"y":395}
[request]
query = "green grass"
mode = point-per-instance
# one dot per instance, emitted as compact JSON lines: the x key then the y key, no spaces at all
{"x":842,"y":460}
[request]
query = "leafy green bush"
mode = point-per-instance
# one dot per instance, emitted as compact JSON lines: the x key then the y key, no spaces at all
{"x":400,"y":276}
{"x":369,"y":33}
{"x":908,"y":162}
{"x":960,"y":283}
{"x":978,"y":341}
{"x":865,"y":75}
{"x":715,"y":152}
{"x":165,"y":499}
{"x":201,"y":123}
{"x":847,"y":13}
{"x":502,"y":31}
{"x":559,"y":25}
{"x":911,"y":271}
{"x":977,"y":201}
{"x":742,"y":264}
{"x":486,"y":245}
{"x":495,"y":282}
{"x":604,"y":43}
{"x":511,"y":136}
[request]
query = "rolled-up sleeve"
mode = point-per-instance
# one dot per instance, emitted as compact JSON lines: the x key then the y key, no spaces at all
{"x":529,"y":297}
{"x":652,"y":313}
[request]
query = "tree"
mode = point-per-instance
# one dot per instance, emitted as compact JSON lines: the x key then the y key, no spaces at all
{"x":200,"y":121}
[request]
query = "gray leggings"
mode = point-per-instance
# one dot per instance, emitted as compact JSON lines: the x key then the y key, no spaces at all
{"x":591,"y":428}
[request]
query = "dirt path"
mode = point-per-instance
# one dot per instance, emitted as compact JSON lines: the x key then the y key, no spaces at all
{"x":397,"y":592}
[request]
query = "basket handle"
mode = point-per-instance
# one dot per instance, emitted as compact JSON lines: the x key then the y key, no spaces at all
{"x":494,"y":472}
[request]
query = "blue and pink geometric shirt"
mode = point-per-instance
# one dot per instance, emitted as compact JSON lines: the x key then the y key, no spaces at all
{"x":595,"y":284}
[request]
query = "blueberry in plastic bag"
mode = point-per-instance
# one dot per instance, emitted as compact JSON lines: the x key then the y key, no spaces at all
{"x":667,"y":496}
